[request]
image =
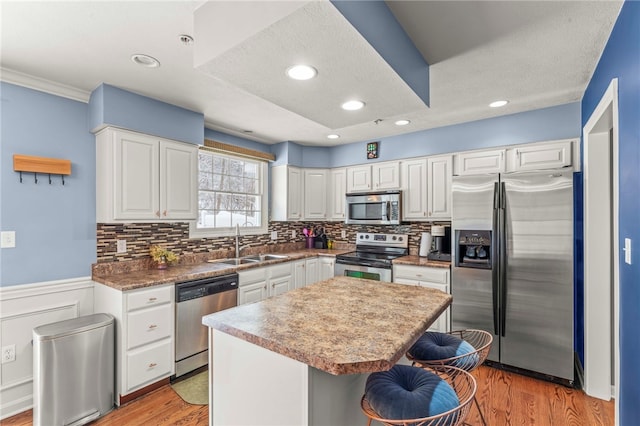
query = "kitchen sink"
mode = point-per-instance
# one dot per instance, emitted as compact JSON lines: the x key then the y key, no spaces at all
{"x":249,"y":259}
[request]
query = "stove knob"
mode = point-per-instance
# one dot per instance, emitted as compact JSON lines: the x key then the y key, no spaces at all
{"x":394,"y":238}
{"x":399,"y":238}
{"x":367,"y":236}
{"x":360,"y":236}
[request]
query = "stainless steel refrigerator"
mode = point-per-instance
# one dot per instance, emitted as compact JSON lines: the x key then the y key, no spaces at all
{"x":512,"y":268}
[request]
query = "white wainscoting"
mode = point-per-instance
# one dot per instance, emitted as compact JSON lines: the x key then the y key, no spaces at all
{"x":22,"y":308}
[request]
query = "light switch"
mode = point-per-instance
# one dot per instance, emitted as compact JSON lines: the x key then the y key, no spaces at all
{"x":8,"y":239}
{"x":274,"y":235}
{"x":121,"y":246}
{"x":627,"y":250}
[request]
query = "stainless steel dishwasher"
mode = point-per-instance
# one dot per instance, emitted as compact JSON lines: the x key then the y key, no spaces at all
{"x":195,"y":299}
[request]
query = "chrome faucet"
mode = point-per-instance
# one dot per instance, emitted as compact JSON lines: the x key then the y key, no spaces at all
{"x":237,"y":241}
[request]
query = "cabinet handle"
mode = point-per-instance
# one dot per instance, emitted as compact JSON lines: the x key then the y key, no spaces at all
{"x":153,"y":299}
{"x":429,"y":213}
{"x":152,"y":365}
{"x":164,"y":213}
{"x":158,"y":213}
{"x":418,"y":275}
{"x":152,"y":326}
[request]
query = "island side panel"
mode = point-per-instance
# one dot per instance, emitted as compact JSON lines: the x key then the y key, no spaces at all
{"x":250,"y":385}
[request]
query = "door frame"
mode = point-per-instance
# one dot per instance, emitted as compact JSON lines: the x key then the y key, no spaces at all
{"x":601,"y":336}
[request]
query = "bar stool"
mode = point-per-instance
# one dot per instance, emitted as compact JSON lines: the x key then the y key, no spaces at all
{"x":407,"y":395}
{"x":464,"y":349}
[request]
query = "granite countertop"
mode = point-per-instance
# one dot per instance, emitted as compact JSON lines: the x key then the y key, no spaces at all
{"x":342,"y":325}
{"x":148,"y":277}
{"x":420,"y":261}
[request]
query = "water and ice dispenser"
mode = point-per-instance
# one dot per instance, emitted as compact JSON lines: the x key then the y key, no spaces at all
{"x":473,"y":249}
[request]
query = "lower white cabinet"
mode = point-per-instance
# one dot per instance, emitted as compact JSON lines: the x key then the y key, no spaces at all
{"x":438,"y":278}
{"x":327,"y":267}
{"x":144,"y":334}
{"x":311,"y":270}
{"x":257,"y":284}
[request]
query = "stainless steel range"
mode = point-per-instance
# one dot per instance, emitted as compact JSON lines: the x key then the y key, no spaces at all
{"x":373,"y":256}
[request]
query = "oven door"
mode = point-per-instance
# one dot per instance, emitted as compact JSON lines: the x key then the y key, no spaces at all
{"x":359,"y":271}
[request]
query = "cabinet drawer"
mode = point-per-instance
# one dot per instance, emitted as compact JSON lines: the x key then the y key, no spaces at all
{"x":421,"y":273}
{"x":150,"y":363}
{"x":148,"y":325}
{"x":149,"y":297}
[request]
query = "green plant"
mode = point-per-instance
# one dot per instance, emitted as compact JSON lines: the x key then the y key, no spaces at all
{"x":158,"y":253}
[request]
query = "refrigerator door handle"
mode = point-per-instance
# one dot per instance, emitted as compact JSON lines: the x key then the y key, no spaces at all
{"x":503,"y":260}
{"x":494,"y":255}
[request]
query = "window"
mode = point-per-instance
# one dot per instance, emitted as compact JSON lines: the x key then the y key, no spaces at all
{"x":230,"y":192}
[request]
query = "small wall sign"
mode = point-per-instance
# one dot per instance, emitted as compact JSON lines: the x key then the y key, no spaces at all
{"x":372,"y":150}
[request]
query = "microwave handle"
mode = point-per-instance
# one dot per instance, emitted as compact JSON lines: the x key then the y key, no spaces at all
{"x":386,"y":209}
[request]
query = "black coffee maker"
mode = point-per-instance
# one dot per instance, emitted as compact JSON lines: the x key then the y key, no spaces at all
{"x":441,"y":243}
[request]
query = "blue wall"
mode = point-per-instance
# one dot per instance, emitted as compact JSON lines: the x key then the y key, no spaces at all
{"x":621,"y":59}
{"x":55,"y":225}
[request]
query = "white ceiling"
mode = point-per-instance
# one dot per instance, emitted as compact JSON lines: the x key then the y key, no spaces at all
{"x":535,"y":54}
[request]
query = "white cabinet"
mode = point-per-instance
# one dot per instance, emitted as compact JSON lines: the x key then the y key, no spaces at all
{"x":438,"y":278}
{"x":327,"y":267}
{"x":439,"y":187}
{"x":414,"y":184}
{"x":376,"y":177}
{"x":479,"y":162}
{"x":315,"y":194}
{"x":337,"y":191}
{"x":540,"y":156}
{"x":144,"y":334}
{"x":257,"y":284}
{"x":144,"y":178}
{"x":299,"y":273}
{"x":312,"y":270}
{"x":287,"y":184}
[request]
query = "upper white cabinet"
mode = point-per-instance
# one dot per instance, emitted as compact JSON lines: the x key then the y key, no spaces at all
{"x":144,"y":178}
{"x":337,"y":190}
{"x":376,"y":177}
{"x":286,"y":193}
{"x":315,"y":194}
{"x":439,"y":187}
{"x":540,"y":156}
{"x":479,"y":162}
{"x":414,"y":184}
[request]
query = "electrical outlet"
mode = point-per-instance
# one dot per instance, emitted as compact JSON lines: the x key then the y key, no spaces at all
{"x":8,"y":239}
{"x":121,"y":246}
{"x":8,"y":353}
{"x":293,"y":233}
{"x":274,"y":235}
{"x":344,"y":234}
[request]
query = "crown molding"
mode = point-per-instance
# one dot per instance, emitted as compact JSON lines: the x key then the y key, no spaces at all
{"x":25,"y":80}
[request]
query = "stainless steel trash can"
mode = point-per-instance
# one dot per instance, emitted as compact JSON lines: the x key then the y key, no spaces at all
{"x":73,"y":370}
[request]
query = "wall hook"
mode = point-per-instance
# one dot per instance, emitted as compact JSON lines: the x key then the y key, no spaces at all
{"x":35,"y":176}
{"x":49,"y":178}
{"x":62,"y":176}
{"x":20,"y":177}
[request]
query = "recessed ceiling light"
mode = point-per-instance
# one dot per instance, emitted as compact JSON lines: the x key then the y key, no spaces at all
{"x":301,"y":72}
{"x":402,"y":122}
{"x":498,"y":104}
{"x":145,"y":60}
{"x":352,"y":105}
{"x":333,"y":136}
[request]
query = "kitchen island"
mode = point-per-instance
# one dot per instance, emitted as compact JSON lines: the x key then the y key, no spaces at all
{"x":302,"y":358}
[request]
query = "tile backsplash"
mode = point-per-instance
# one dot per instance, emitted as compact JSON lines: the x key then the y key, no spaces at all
{"x":175,"y":236}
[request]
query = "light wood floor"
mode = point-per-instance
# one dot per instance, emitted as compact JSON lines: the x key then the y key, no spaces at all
{"x":505,"y":398}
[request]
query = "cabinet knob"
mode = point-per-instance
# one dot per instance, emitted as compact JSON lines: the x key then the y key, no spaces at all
{"x":153,"y":299}
{"x":418,"y":275}
{"x":429,"y":213}
{"x":164,"y":213}
{"x":158,"y":213}
{"x":152,"y":326}
{"x":152,"y":365}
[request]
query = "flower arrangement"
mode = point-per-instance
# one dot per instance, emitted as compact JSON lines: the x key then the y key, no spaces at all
{"x":161,"y":255}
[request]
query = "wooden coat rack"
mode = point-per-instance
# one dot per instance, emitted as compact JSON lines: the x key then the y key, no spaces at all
{"x":35,"y":165}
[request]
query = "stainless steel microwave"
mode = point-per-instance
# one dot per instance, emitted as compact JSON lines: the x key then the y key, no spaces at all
{"x":373,"y":208}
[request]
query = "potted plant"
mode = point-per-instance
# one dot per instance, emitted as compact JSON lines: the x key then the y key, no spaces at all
{"x":162,"y":256}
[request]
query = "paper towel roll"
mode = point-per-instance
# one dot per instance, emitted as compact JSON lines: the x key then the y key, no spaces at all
{"x":425,"y":244}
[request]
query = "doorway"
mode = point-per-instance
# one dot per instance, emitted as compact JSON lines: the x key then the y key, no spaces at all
{"x":601,"y":245}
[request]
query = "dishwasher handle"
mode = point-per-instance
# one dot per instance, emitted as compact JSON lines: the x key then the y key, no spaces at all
{"x":195,"y":289}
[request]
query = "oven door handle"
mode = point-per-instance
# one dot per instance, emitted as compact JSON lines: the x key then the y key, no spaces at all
{"x":360,"y":263}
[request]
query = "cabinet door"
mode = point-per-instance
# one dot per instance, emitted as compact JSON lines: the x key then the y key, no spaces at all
{"x":312,"y":270}
{"x":137,"y":189}
{"x":299,"y":274}
{"x":540,"y":157}
{"x":359,"y":179}
{"x":294,"y":194}
{"x":280,"y":285}
{"x":414,"y":183}
{"x":439,"y":185}
{"x":315,"y":194}
{"x":441,"y":324}
{"x":386,"y":176}
{"x":178,"y":180}
{"x":148,"y":364}
{"x":337,"y":191}
{"x":251,"y":293}
{"x":327,"y":268}
{"x":480,"y":162}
